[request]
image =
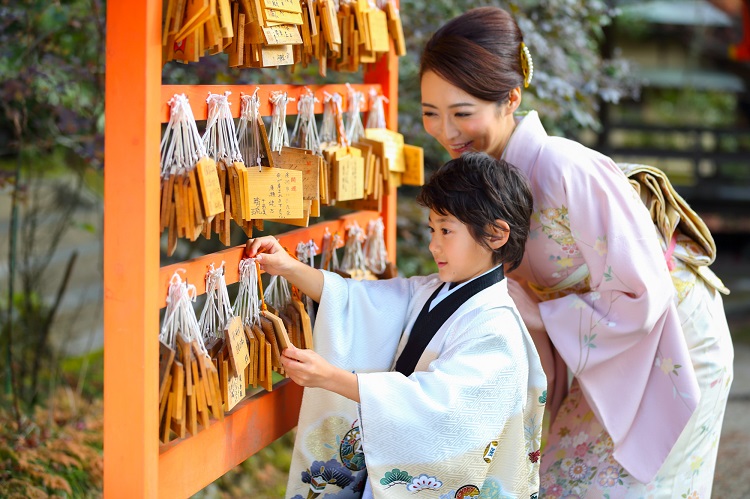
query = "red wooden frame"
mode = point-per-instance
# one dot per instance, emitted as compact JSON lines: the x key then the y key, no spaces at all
{"x":135,"y":465}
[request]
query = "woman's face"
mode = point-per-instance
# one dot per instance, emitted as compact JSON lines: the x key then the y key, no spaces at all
{"x":461,"y":122}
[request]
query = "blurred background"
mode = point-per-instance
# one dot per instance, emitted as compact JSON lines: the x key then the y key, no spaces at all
{"x":665,"y":83}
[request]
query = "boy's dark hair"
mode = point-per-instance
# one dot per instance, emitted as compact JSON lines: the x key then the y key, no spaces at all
{"x":478,"y":189}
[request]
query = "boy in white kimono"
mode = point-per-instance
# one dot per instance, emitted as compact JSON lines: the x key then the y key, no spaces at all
{"x":425,"y":387}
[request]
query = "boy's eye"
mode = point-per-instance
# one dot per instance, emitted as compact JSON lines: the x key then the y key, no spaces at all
{"x":463,"y":115}
{"x":446,"y":231}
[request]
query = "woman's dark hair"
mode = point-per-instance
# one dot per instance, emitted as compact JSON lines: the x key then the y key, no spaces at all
{"x":478,"y":189}
{"x":478,"y":52}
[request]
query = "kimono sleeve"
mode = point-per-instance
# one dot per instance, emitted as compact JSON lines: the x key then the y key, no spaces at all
{"x":610,"y":337}
{"x":359,"y":323}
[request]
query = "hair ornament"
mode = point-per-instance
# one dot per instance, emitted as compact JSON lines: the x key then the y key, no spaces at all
{"x":527,"y":65}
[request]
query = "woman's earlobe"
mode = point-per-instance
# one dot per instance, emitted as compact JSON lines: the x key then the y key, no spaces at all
{"x":514,"y":99}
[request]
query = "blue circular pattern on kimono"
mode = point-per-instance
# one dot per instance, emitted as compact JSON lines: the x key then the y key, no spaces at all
{"x":350,"y":450}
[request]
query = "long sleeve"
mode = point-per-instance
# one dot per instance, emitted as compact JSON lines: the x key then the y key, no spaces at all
{"x":606,"y":297}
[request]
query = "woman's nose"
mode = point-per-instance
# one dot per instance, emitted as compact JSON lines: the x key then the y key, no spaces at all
{"x":449,"y":129}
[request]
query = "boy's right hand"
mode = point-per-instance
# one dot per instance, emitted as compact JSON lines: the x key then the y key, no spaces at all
{"x":269,"y":253}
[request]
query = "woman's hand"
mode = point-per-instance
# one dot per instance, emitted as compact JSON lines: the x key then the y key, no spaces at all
{"x":307,"y":368}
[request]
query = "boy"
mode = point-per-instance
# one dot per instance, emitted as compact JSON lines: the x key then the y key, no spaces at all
{"x":429,"y":384}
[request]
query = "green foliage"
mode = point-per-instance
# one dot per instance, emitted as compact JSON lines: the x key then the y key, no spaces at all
{"x":52,"y":69}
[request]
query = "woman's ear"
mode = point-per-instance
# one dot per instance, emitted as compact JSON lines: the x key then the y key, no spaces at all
{"x":499,"y":234}
{"x":514,"y":99}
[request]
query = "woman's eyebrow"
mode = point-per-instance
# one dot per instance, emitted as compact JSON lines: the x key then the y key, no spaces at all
{"x":458,"y":104}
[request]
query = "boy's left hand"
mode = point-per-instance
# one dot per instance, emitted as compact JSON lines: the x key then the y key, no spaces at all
{"x":307,"y":368}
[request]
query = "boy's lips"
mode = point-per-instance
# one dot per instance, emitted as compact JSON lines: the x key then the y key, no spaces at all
{"x":441,"y":264}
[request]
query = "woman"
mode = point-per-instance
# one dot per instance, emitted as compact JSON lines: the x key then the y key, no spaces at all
{"x":623,"y":302}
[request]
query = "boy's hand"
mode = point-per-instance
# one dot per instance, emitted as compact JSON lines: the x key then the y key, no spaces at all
{"x":307,"y":368}
{"x":272,"y":257}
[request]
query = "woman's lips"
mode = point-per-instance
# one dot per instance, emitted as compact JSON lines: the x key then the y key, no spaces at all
{"x":461,"y":147}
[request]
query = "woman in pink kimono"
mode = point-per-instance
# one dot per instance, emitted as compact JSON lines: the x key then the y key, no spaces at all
{"x":618,"y":297}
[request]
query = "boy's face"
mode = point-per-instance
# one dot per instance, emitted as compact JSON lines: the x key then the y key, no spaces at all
{"x":458,"y":256}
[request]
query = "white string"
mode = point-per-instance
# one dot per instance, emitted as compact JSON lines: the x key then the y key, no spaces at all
{"x":328,"y":124}
{"x":247,"y":304}
{"x":217,"y":311}
{"x":220,"y":138}
{"x":376,"y":116}
{"x":277,"y":293}
{"x":279,"y":135}
{"x":376,"y":256}
{"x":248,"y":131}
{"x":305,"y":132}
{"x":353,"y":127}
{"x":353,"y":257}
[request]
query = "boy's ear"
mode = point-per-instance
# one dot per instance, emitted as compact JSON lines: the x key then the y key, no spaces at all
{"x":499,"y":234}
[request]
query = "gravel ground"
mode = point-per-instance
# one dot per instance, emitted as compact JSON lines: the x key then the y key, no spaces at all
{"x":732,"y":477}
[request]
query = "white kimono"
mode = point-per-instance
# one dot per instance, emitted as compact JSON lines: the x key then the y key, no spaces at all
{"x":467,"y":420}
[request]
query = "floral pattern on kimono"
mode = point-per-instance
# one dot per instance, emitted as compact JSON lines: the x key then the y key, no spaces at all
{"x":608,"y":303}
{"x":478,"y":381}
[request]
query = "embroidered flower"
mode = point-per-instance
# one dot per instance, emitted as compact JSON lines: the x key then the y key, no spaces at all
{"x":563,"y":431}
{"x":581,"y":438}
{"x":534,"y":456}
{"x":666,"y":366}
{"x":578,"y":471}
{"x":581,"y":450}
{"x":424,"y":482}
{"x":553,"y":491}
{"x":696,"y":463}
{"x":566,"y":441}
{"x":600,"y":246}
{"x":564,"y":263}
{"x":543,"y":397}
{"x":609,"y":476}
{"x":567,"y":463}
{"x":694,"y":495}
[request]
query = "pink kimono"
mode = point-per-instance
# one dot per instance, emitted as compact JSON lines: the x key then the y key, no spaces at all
{"x":597,"y":278}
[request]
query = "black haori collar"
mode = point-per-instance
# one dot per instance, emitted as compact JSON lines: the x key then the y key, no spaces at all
{"x":429,"y":321}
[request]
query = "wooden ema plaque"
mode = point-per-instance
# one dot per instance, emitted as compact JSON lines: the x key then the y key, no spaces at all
{"x":235,"y":389}
{"x":235,"y":337}
{"x":413,"y":173}
{"x":275,"y":193}
{"x":349,"y":178}
{"x":302,"y":160}
{"x":211,"y":194}
{"x":394,"y":147}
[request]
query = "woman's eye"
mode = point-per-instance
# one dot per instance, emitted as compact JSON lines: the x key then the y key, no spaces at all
{"x":428,"y":114}
{"x":463,"y":115}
